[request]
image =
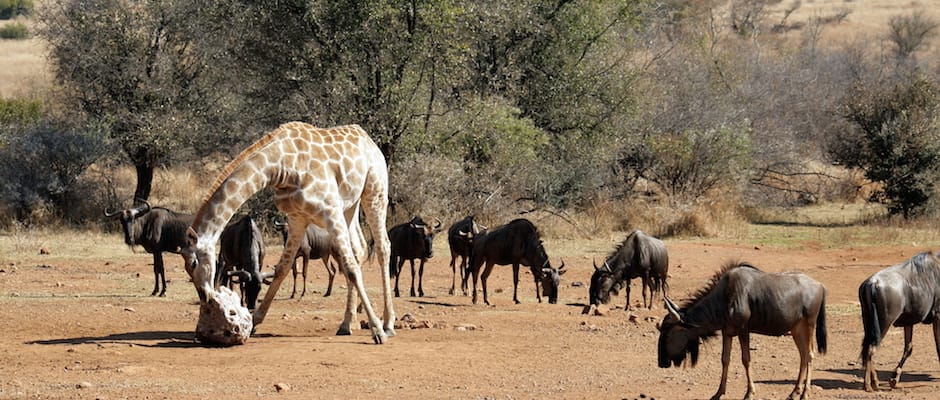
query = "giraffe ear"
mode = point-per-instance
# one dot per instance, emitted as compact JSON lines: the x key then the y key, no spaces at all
{"x":191,"y":237}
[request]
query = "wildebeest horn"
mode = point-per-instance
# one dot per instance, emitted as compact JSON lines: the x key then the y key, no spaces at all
{"x":243,"y":276}
{"x":673,"y":308}
{"x":562,"y":265}
{"x":594,"y":261}
{"x":437,"y":226}
{"x":280,"y":224}
{"x":607,"y":267}
{"x":110,"y":214}
{"x":146,"y":205}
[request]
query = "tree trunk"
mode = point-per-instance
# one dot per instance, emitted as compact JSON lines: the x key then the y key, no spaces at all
{"x":144,"y":159}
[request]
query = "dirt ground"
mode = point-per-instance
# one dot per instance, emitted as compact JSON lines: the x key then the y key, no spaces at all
{"x":80,"y":326}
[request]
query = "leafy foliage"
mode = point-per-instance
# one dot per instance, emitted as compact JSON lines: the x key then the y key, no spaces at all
{"x":41,"y":163}
{"x":12,"y":8}
{"x":896,"y":140}
{"x":16,"y":30}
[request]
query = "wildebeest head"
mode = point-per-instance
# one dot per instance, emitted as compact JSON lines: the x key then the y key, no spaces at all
{"x":551,"y":280}
{"x":127,"y":218}
{"x":426,"y":232}
{"x":603,"y":283}
{"x":676,"y":339}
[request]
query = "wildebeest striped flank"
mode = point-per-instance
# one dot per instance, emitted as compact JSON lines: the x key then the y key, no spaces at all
{"x":900,"y":295}
{"x":740,"y":300}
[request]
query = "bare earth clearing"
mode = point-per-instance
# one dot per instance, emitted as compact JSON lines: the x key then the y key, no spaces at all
{"x":84,"y":326}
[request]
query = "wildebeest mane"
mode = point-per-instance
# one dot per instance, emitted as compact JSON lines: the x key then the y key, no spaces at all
{"x":705,"y":312}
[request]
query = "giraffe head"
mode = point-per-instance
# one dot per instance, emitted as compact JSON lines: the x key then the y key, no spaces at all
{"x":199,"y":259}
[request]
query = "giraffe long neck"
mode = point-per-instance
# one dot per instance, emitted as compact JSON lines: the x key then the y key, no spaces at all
{"x":245,"y":179}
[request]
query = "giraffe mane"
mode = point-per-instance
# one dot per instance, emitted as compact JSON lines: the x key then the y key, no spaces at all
{"x":230,"y":167}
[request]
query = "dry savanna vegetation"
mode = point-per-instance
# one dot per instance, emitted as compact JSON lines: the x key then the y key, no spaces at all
{"x":730,"y":134}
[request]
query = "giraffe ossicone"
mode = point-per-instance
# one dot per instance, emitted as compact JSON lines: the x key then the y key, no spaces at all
{"x":320,"y":176}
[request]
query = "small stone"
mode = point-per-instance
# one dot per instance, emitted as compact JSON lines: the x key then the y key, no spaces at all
{"x":281,"y":387}
{"x":44,"y":251}
{"x":83,"y":385}
{"x":465,"y":327}
{"x":577,"y":284}
{"x":408,"y":318}
{"x":130,"y":309}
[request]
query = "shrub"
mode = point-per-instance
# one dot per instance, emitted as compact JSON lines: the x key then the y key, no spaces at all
{"x":11,"y":8}
{"x":16,"y":30}
{"x":895,"y":140}
{"x":40,"y":166}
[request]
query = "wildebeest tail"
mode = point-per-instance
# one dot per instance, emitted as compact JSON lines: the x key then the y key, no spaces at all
{"x":822,"y":344}
{"x":868,"y":299}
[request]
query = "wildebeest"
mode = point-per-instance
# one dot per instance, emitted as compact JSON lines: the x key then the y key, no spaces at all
{"x":460,"y":238}
{"x":241,"y":253}
{"x":411,"y":240}
{"x":901,"y":295}
{"x":639,"y":255}
{"x":740,"y":300}
{"x":315,"y":245}
{"x":515,"y":243}
{"x":157,"y":230}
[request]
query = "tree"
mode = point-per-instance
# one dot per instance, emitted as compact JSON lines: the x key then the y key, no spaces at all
{"x":910,"y":33}
{"x":150,"y":71}
{"x":896,"y":140}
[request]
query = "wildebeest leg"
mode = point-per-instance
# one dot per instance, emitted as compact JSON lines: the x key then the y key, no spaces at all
{"x":159,"y":274}
{"x":485,"y":274}
{"x":936,"y":337}
{"x":420,"y":278}
{"x":398,"y":263}
{"x":725,"y":360}
{"x":646,"y":284}
{"x":464,"y":264}
{"x":331,"y":273}
{"x":627,"y":289}
{"x":294,"y":272}
{"x":453,"y":275}
{"x":412,"y":262}
{"x":515,"y":283}
{"x":538,"y":292}
{"x":475,"y":273}
{"x":802,"y":336}
{"x":869,"y":373}
{"x":745,"y":340}
{"x":303,"y":275}
{"x":908,"y":349}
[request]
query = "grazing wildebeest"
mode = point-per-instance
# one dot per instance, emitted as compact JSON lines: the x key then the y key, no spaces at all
{"x":411,"y":240}
{"x":901,"y":295}
{"x":639,"y":255}
{"x":157,"y":230}
{"x":515,"y":243}
{"x":460,"y":238}
{"x":740,"y":300}
{"x":315,"y":245}
{"x":241,"y":253}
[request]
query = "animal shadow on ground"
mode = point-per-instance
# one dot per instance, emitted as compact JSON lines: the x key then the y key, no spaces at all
{"x":435,"y":303}
{"x":883,"y":376}
{"x":164,"y":338}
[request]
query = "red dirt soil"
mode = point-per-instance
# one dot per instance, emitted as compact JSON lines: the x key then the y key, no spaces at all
{"x":83,"y":327}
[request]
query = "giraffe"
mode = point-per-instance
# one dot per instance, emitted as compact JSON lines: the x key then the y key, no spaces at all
{"x":319,"y":176}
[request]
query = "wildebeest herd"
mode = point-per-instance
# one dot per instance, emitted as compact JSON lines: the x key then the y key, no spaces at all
{"x":739,"y":300}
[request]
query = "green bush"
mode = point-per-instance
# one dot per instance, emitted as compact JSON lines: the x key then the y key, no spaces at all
{"x":40,"y":166}
{"x":9,"y":9}
{"x":16,"y":30}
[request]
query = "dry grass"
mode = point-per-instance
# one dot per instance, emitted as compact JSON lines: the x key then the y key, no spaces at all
{"x":23,"y":67}
{"x":866,"y":18}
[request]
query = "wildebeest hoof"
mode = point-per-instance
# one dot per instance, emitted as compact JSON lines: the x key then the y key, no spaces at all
{"x":893,"y":382}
